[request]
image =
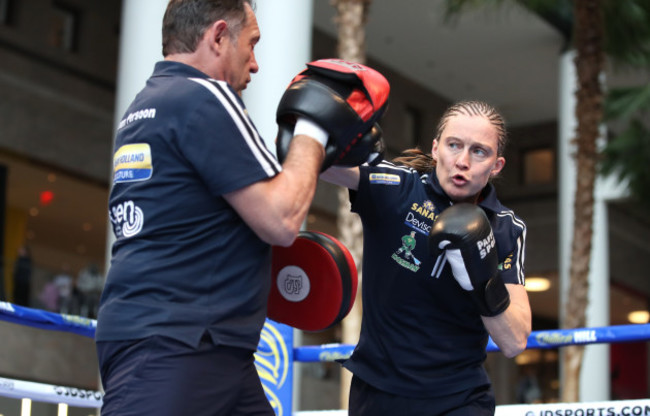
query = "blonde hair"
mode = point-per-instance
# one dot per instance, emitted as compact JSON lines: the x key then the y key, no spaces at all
{"x":423,"y":162}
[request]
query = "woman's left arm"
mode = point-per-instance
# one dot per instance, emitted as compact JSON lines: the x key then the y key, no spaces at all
{"x":510,"y":329}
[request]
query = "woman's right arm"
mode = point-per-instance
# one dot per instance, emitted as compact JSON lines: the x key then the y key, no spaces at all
{"x":342,"y":176}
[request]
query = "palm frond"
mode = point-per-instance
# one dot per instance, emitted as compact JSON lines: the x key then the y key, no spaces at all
{"x":627,"y":25}
{"x":623,"y":103}
{"x":627,"y":156}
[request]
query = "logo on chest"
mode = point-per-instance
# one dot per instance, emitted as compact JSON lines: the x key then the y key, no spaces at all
{"x":404,"y":255}
{"x":421,"y":216}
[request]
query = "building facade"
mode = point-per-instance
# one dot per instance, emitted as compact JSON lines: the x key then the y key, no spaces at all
{"x":58,"y":93}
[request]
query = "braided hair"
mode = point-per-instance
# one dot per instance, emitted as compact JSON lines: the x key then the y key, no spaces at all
{"x":423,"y":162}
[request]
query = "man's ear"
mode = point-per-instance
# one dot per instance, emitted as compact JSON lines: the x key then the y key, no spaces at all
{"x":217,"y":32}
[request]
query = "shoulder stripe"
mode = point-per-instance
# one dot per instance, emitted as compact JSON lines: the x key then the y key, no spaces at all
{"x":392,"y":166}
{"x":255,"y":143}
{"x":521,"y":243}
{"x":521,"y":249}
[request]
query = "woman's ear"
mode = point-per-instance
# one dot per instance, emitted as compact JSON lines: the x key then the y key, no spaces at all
{"x":434,"y":150}
{"x":498,"y":165}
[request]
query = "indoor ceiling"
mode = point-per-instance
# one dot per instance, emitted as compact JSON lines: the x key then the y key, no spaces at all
{"x":504,"y":55}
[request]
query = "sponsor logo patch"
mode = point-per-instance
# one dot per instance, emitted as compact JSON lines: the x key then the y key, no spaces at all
{"x":127,"y":219}
{"x":132,"y":163}
{"x":384,"y":179}
{"x":420,"y":217}
{"x":404,"y":255}
{"x":485,"y":245}
{"x":136,"y":116}
{"x":507,"y":263}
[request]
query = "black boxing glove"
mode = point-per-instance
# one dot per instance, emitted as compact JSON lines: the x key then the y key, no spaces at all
{"x":369,"y":149}
{"x":462,"y":233}
{"x":345,"y":99}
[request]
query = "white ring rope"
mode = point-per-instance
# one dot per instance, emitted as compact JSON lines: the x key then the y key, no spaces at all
{"x":48,"y":393}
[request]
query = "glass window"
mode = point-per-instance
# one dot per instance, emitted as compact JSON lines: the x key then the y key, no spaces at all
{"x":539,"y":166}
{"x":64,"y":28}
{"x":5,"y":12}
{"x":59,"y":222}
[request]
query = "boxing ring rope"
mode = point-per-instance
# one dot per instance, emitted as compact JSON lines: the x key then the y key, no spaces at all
{"x":546,"y":339}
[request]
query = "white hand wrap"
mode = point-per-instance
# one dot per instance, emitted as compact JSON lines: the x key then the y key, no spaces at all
{"x":309,"y":128}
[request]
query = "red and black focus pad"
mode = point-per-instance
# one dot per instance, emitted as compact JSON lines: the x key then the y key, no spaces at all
{"x":369,"y":149}
{"x":346,"y":99}
{"x":314,"y":282}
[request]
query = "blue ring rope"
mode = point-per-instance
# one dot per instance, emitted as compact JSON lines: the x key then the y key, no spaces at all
{"x":545,"y":339}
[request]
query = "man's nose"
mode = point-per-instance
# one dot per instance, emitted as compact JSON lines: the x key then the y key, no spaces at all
{"x":254,"y":66}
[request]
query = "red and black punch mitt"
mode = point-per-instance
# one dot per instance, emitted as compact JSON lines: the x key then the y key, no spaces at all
{"x":344,"y":98}
{"x":314,"y":282}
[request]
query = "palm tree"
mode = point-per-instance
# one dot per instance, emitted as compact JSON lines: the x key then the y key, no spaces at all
{"x":628,"y":43}
{"x":351,"y":19}
{"x":589,"y":62}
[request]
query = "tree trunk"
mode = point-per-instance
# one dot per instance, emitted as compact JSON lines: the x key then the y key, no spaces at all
{"x":350,"y":19}
{"x":351,"y":235}
{"x":589,"y":61}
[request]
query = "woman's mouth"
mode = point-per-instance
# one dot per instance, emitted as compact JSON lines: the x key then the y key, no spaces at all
{"x":459,"y":180}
